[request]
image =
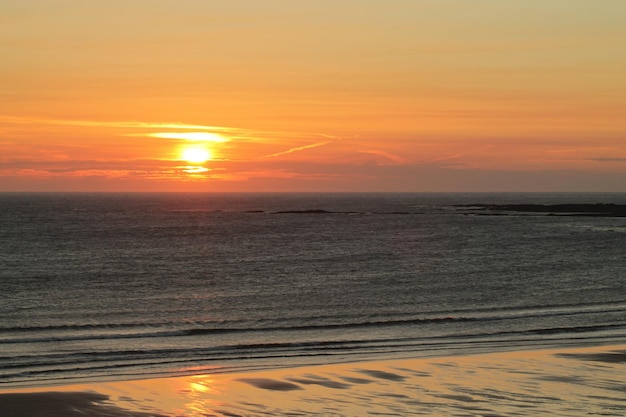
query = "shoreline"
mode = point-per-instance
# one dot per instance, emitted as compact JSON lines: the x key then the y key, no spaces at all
{"x":225,"y":369}
{"x":568,"y":381}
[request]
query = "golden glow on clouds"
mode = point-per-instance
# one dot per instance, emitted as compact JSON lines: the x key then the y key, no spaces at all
{"x":193,"y":170}
{"x":192,"y":136}
{"x":110,"y":124}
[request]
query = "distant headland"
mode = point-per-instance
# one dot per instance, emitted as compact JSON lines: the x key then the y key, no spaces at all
{"x":594,"y":210}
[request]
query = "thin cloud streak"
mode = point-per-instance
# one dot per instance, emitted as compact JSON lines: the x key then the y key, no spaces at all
{"x":113,"y":124}
{"x":446,"y":158}
{"x":300,"y":148}
{"x":190,"y":136}
{"x":606,"y":159}
{"x":203,"y":132}
{"x":384,"y":154}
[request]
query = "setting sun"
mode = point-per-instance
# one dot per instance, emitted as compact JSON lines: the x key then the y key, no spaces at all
{"x":195,"y":154}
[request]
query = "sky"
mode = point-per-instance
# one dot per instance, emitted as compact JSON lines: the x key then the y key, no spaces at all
{"x":325,"y":95}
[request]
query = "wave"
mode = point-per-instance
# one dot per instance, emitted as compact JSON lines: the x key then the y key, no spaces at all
{"x":59,"y":367}
{"x":481,"y":319}
{"x":92,"y":336}
{"x":284,"y":349}
{"x":461,"y":314}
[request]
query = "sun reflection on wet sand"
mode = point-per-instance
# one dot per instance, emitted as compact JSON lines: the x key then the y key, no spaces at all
{"x":556,"y":383}
{"x":201,"y":394}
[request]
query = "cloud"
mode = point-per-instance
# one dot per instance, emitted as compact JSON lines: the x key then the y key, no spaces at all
{"x":112,"y":124}
{"x":190,"y":136}
{"x":446,"y":157}
{"x":387,"y":155}
{"x":606,"y":159}
{"x":179,"y":131}
{"x":287,"y":175}
{"x":299,"y":148}
{"x":147,"y":168}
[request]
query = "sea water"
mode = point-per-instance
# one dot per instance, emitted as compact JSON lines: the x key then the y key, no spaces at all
{"x":97,"y":286}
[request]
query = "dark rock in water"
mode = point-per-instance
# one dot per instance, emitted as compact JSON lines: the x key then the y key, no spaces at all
{"x":305,"y":212}
{"x":597,"y":210}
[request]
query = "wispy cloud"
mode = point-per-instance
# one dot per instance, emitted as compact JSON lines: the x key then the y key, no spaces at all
{"x":153,"y":169}
{"x":446,"y":157}
{"x":190,"y":136}
{"x":606,"y":159}
{"x":176,"y":131}
{"x":384,"y":154}
{"x":299,"y":148}
{"x":113,"y":124}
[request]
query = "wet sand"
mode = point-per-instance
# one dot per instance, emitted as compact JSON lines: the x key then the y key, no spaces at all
{"x":563,"y":382}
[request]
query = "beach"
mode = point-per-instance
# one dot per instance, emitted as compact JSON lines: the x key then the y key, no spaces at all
{"x":557,"y":382}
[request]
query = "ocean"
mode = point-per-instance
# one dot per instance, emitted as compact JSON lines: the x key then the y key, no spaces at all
{"x":126,"y":286}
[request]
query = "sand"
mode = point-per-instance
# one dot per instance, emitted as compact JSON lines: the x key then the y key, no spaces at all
{"x":564,"y":382}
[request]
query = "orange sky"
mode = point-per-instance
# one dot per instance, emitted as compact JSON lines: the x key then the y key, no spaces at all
{"x":341,"y":95}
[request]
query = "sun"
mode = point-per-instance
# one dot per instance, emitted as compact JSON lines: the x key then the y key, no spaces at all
{"x":195,"y":154}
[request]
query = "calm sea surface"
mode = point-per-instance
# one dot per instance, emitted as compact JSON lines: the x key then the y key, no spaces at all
{"x":97,"y":286}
